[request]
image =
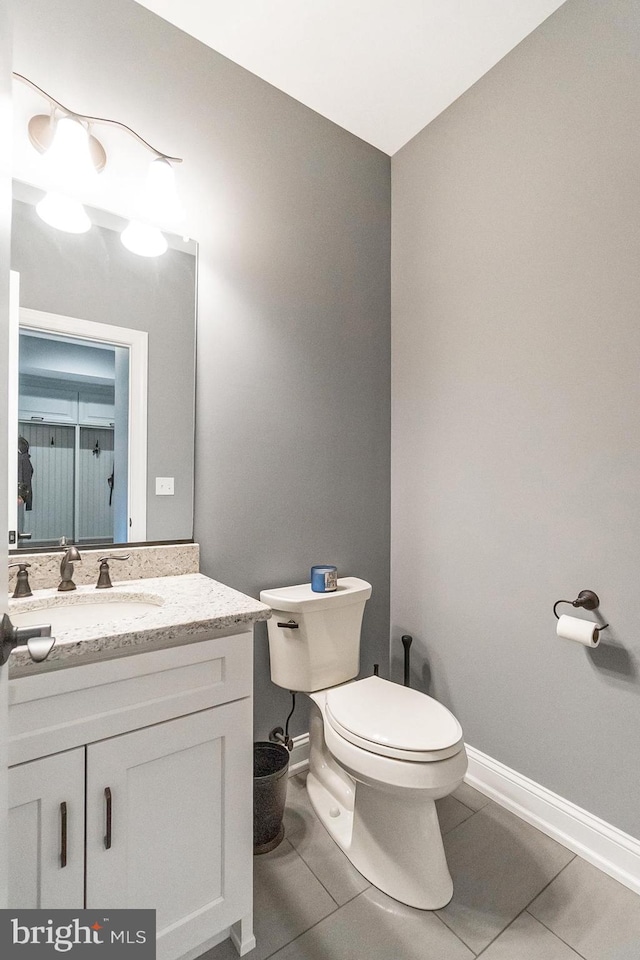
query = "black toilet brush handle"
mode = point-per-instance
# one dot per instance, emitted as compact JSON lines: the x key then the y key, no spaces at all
{"x":406,"y":643}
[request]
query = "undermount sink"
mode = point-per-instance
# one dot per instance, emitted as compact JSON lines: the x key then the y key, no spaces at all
{"x":70,"y":615}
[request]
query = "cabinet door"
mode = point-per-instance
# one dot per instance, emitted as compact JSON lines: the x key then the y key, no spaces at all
{"x":174,"y":831}
{"x":96,"y":406}
{"x":46,"y":832}
{"x":53,"y":402}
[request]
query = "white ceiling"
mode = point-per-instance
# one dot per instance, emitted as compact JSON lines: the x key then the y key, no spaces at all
{"x":382,"y":69}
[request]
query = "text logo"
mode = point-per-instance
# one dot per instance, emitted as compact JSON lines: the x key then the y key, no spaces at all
{"x":32,"y":934}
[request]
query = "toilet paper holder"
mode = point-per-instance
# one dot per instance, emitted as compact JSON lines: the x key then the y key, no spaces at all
{"x":586,"y":599}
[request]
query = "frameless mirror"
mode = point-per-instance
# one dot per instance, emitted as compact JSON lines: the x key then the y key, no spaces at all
{"x":102,"y":385}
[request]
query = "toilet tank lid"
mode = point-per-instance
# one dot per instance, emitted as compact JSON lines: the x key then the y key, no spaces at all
{"x":302,"y":598}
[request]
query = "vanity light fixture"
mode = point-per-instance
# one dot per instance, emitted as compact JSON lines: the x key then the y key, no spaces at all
{"x":143,"y":239}
{"x":63,"y":213}
{"x":159,"y":201}
{"x":75,"y":156}
{"x":68,"y":160}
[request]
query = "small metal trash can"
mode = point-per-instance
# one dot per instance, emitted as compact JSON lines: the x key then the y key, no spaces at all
{"x":270,"y":769}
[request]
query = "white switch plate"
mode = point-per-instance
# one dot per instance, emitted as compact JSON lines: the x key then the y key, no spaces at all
{"x":164,"y":486}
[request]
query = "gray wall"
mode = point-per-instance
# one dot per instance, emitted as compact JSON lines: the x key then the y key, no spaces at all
{"x":93,"y":277}
{"x":292,"y":216}
{"x":516,"y":410}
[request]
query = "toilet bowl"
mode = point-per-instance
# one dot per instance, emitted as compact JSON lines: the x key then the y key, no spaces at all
{"x":380,"y":754}
{"x":379,"y":806}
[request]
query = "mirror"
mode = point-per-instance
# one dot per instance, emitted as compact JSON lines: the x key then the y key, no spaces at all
{"x":102,"y":384}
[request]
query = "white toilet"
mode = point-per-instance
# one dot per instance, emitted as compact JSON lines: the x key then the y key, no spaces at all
{"x":380,"y":753}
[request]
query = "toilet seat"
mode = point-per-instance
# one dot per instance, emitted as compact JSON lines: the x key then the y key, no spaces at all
{"x":393,"y":721}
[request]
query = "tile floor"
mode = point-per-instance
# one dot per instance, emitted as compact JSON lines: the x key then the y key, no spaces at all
{"x":517,"y":896}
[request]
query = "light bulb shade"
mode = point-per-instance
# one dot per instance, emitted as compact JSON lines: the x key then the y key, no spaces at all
{"x":63,"y":213}
{"x":68,"y":159}
{"x":143,"y":239}
{"x":160,"y":201}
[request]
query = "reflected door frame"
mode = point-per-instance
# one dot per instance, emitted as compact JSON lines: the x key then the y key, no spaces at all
{"x":137,"y":342}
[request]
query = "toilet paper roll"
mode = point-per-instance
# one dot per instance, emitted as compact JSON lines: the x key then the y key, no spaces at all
{"x":584,"y":631}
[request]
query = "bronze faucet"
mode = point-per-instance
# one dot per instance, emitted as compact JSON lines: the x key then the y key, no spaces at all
{"x":104,"y":579}
{"x":70,"y":556}
{"x":22,"y":588}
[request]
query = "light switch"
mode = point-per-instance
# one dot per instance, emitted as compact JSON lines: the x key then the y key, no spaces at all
{"x":164,"y":486}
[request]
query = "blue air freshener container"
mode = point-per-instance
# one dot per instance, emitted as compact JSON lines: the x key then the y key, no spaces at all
{"x":324,"y":578}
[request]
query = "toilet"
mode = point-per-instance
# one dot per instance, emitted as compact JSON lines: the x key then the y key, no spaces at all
{"x":380,"y":754}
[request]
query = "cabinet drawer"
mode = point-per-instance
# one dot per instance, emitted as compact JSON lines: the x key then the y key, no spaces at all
{"x":66,"y":708}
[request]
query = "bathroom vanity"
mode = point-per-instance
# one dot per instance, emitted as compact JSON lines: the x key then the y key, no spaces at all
{"x":130,"y":775}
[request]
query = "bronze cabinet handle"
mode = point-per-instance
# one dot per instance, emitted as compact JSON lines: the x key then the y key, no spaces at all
{"x":107,"y":836}
{"x":63,"y":834}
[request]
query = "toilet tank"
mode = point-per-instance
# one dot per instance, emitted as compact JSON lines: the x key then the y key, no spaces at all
{"x":314,"y":638}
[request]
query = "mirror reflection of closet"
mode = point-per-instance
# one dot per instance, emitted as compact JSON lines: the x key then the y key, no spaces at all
{"x":72,"y":439}
{"x":91,"y":288}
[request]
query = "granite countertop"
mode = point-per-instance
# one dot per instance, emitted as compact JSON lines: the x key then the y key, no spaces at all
{"x":189,"y":608}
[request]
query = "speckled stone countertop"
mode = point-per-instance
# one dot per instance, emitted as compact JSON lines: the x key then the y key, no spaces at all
{"x":153,"y":560}
{"x":189,"y":608}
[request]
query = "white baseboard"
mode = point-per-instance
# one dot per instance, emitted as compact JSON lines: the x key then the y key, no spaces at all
{"x":612,"y":851}
{"x":299,"y":760}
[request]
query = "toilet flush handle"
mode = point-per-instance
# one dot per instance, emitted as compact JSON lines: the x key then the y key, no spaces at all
{"x":290,"y":625}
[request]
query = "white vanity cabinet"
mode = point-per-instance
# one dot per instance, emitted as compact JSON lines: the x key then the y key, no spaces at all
{"x":162,"y":741}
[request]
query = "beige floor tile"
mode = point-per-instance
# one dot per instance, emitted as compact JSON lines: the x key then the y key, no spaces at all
{"x":298,"y":813}
{"x":593,"y":913}
{"x":328,"y":863}
{"x":288,"y":900}
{"x":374,"y":927}
{"x":498,"y":864}
{"x":526,"y":939}
{"x":451,"y":813}
{"x":470,"y":797}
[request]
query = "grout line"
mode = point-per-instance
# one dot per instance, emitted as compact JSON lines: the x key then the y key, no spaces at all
{"x":546,"y":926}
{"x":525,"y":909}
{"x":436,"y":914}
{"x":313,"y":874}
{"x":309,"y":867}
{"x":540,"y":892}
{"x":306,"y":930}
{"x":484,"y":949}
{"x":459,"y":824}
{"x":303,"y":932}
{"x":558,"y":937}
{"x":526,"y":906}
{"x":473,"y":813}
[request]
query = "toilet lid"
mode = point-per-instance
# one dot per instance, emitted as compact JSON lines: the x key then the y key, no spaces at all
{"x":393,"y":720}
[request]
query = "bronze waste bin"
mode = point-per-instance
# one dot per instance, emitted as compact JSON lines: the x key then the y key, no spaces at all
{"x":270,"y":770}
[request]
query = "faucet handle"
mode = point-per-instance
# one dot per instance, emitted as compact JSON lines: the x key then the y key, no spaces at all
{"x":23,"y":588}
{"x":104,"y":580}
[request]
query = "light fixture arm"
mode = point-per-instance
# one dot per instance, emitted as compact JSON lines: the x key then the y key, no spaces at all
{"x":103,"y":120}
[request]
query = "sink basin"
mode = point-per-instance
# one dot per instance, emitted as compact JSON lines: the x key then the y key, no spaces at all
{"x":71,"y":615}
